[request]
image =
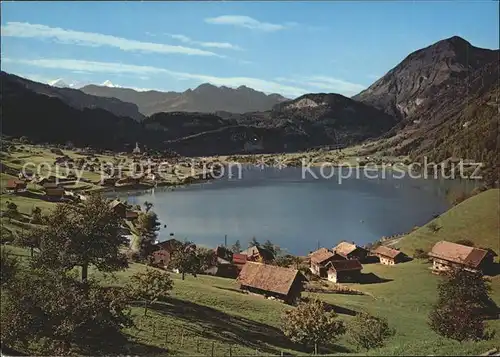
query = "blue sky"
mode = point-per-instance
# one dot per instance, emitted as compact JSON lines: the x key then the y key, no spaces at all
{"x":286,"y":47}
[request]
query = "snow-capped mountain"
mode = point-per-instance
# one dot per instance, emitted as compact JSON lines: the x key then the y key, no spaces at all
{"x":59,"y":83}
{"x":109,"y":84}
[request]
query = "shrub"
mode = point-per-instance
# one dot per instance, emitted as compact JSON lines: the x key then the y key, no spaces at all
{"x":420,"y":254}
{"x":310,"y":324}
{"x":433,"y":227}
{"x":367,"y":331}
{"x":463,"y":304}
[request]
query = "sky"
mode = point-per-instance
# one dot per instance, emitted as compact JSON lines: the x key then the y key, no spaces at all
{"x":284,"y":47}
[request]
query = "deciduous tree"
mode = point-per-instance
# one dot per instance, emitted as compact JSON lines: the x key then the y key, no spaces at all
{"x":83,"y":235}
{"x":9,"y":267}
{"x":146,"y":230}
{"x":367,"y":331}
{"x":150,"y":286}
{"x":463,"y":304}
{"x":62,"y":316}
{"x":310,"y":324}
{"x":185,"y":259}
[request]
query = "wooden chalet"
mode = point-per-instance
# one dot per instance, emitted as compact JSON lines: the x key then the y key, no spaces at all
{"x":446,"y":255}
{"x":350,"y":251}
{"x":285,"y":284}
{"x":119,"y":208}
{"x":344,"y":271}
{"x":239,"y":260}
{"x":163,"y":252}
{"x":258,"y":254}
{"x":169,"y":245}
{"x":15,"y":186}
{"x":223,"y":268}
{"x":389,"y":256}
{"x":161,"y":258}
{"x":53,"y":192}
{"x":131,"y":215}
{"x":319,"y":259}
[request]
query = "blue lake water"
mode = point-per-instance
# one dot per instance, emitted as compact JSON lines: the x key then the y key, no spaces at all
{"x":296,"y":213}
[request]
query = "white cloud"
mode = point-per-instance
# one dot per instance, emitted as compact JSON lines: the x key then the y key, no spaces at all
{"x":247,"y":22}
{"x":186,"y":39}
{"x":325,"y":83}
{"x":120,"y":68}
{"x":91,"y":39}
{"x":374,"y":76}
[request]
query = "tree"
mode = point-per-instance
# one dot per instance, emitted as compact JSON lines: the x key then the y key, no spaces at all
{"x":30,"y":239}
{"x":207,"y":257}
{"x":236,"y":247}
{"x":367,"y":331}
{"x":82,"y":235}
{"x":310,"y":324}
{"x":420,"y":254}
{"x":463,"y":304}
{"x":185,"y":259}
{"x":147,"y":206}
{"x":9,"y":267}
{"x":36,"y":215}
{"x":271,"y":247}
{"x":253,"y":243}
{"x":11,"y":211}
{"x":146,"y":230}
{"x":288,"y":261}
{"x":61,"y":315}
{"x":150,"y":286}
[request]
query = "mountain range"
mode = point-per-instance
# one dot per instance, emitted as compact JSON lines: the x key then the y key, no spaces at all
{"x":205,"y":98}
{"x":440,"y":101}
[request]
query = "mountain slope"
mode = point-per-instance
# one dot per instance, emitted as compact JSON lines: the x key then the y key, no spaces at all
{"x":75,"y":98}
{"x":474,"y":219}
{"x":446,"y":99}
{"x":421,"y":74}
{"x":205,"y":98}
{"x":49,"y":118}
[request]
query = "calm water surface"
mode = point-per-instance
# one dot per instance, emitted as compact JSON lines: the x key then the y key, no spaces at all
{"x":296,"y":213}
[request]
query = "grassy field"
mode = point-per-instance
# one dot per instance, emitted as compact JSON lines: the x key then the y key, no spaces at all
{"x":208,"y":311}
{"x":476,"y":219}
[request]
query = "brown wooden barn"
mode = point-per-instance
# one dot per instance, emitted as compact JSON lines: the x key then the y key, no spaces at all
{"x":285,"y":284}
{"x":350,"y":251}
{"x":15,"y":186}
{"x":446,"y":255}
{"x":258,"y":254}
{"x":161,"y":258}
{"x":223,"y":268}
{"x":119,"y":208}
{"x":344,"y":271}
{"x":389,"y":256}
{"x":239,"y":260}
{"x":319,"y":259}
{"x":52,"y":191}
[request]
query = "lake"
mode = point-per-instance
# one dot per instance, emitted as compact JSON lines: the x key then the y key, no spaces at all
{"x":295,"y":212}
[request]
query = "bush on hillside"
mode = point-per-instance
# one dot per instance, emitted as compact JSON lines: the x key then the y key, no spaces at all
{"x":420,"y":254}
{"x":367,"y":331}
{"x":463,"y":305}
{"x":433,"y":227}
{"x":310,"y":324}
